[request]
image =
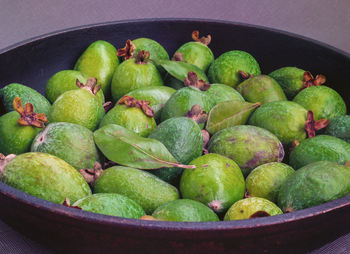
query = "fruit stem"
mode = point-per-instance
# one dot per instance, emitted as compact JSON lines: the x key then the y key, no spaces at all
{"x":141,"y":104}
{"x":204,"y":40}
{"x":192,"y":81}
{"x":28,"y":117}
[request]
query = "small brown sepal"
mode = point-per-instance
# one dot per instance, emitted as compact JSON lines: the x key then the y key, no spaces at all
{"x":66,"y":203}
{"x":204,"y":40}
{"x":128,"y":51}
{"x":192,"y":81}
{"x":245,"y":75}
{"x":246,"y":194}
{"x":107,"y":106}
{"x":206,"y":138}
{"x":28,"y":117}
{"x":259,"y":214}
{"x":141,"y":104}
{"x":309,"y":80}
{"x":197,"y":114}
{"x":311,"y":126}
{"x":142,"y":57}
{"x":91,"y":85}
{"x":91,"y":175}
{"x":178,"y":57}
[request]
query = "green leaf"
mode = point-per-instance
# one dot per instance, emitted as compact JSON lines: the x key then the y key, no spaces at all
{"x":128,"y":149}
{"x":229,"y":113}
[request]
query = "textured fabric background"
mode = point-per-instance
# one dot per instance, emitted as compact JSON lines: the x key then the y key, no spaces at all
{"x":324,"y":20}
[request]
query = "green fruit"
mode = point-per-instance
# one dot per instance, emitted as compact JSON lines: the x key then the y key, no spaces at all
{"x":99,"y":60}
{"x":157,"y":96}
{"x":339,"y":127}
{"x":323,"y":101}
{"x":131,"y":118}
{"x":314,"y":184}
{"x":131,"y":75}
{"x":290,"y":79}
{"x":64,"y":81}
{"x":79,"y":107}
{"x":183,"y":138}
{"x":250,"y":208}
{"x":71,"y":142}
{"x":320,"y":148}
{"x":224,"y":69}
{"x":216,"y":181}
{"x":45,"y":176}
{"x":285,"y":119}
{"x":142,"y":187}
{"x":265,"y":181}
{"x":261,"y":88}
{"x":111,"y":204}
{"x":220,"y":93}
{"x":184,"y":210}
{"x":248,"y":146}
{"x":157,"y":52}
{"x":27,"y":95}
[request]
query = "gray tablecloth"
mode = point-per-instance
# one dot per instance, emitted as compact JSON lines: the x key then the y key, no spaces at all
{"x":324,"y":20}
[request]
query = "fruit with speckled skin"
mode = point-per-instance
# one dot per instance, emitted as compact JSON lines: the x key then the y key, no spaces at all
{"x":224,"y":69}
{"x":45,"y":176}
{"x":111,"y":204}
{"x":132,"y":118}
{"x":265,"y":181}
{"x":64,"y":81}
{"x":320,"y":148}
{"x":285,"y":119}
{"x":184,"y":210}
{"x":99,"y":60}
{"x":314,"y":184}
{"x":27,"y":95}
{"x":250,"y":208}
{"x":144,"y":188}
{"x":261,"y":88}
{"x":220,"y":93}
{"x":323,"y":101}
{"x":339,"y":127}
{"x":290,"y":79}
{"x":72,"y":143}
{"x":216,"y":181}
{"x":249,"y":146}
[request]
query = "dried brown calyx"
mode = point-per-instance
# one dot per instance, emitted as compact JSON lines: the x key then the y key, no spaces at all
{"x":91,"y":85}
{"x":204,"y":40}
{"x":197,"y":114}
{"x":245,"y":75}
{"x":66,"y":203}
{"x":91,"y":175}
{"x":206,"y":138}
{"x":141,"y":104}
{"x":259,"y":214}
{"x":128,"y":51}
{"x":142,"y":57}
{"x":107,"y":106}
{"x":178,"y":57}
{"x":4,"y":160}
{"x":311,"y":126}
{"x":192,"y":81}
{"x":246,"y":194}
{"x":309,"y":80}
{"x":28,"y":117}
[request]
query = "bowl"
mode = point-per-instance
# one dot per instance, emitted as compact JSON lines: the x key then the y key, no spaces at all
{"x":34,"y":61}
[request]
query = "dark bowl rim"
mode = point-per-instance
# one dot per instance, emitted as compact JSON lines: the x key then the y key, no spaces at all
{"x":238,"y":225}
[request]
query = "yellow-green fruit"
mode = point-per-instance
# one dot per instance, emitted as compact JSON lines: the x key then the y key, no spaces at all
{"x":250,"y":208}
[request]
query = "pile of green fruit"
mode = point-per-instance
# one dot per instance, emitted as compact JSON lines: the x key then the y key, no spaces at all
{"x":135,"y":134}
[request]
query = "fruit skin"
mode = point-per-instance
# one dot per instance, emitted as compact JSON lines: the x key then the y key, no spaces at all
{"x":290,"y":79}
{"x":220,"y":93}
{"x":339,"y":127}
{"x":265,"y":181}
{"x":79,"y":107}
{"x":27,"y":95}
{"x":245,"y":208}
{"x":249,"y":146}
{"x":45,"y":176}
{"x":197,"y":54}
{"x":184,"y":210}
{"x":261,"y":88}
{"x":285,"y":119}
{"x":15,"y":138}
{"x":320,"y":148}
{"x":129,"y":76}
{"x":131,"y":118}
{"x":142,"y":187}
{"x":71,"y":142}
{"x":157,"y":96}
{"x":111,"y":204}
{"x":323,"y":101}
{"x":216,"y":181}
{"x":99,"y":60}
{"x":64,"y":81}
{"x":183,"y":100}
{"x":314,"y":184}
{"x":224,"y":69}
{"x":183,"y":138}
